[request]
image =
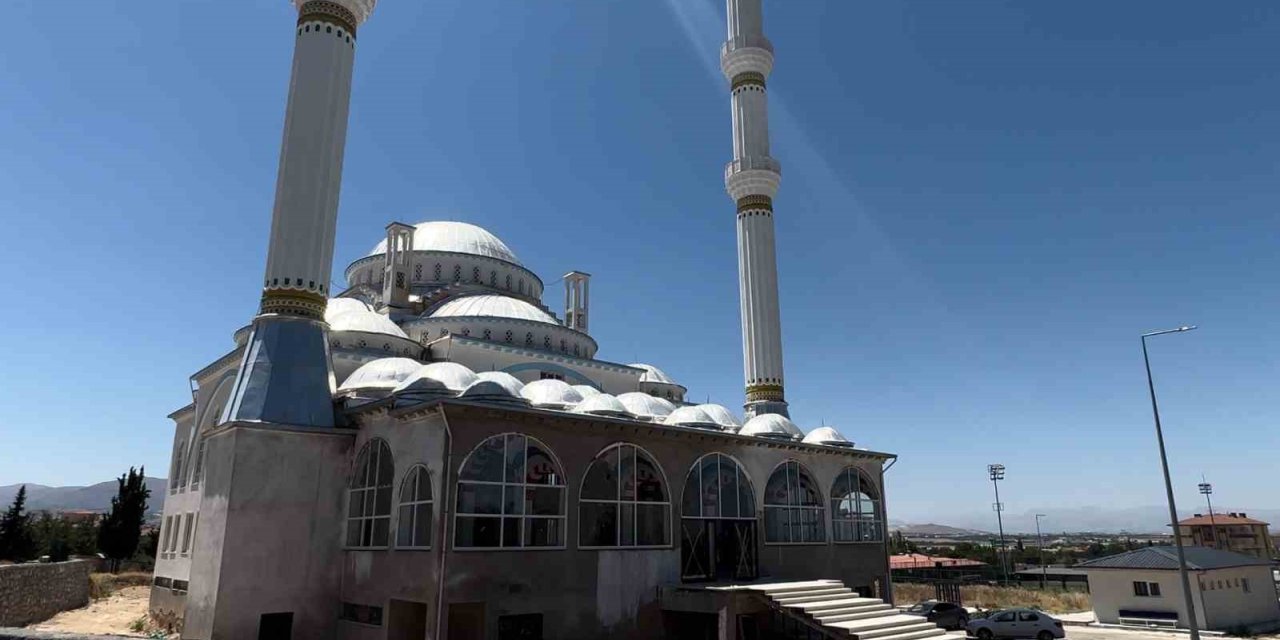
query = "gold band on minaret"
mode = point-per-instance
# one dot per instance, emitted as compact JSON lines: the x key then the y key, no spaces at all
{"x":745,"y":79}
{"x":755,"y":203}
{"x":292,"y":302}
{"x":765,"y":392}
{"x":331,"y":12}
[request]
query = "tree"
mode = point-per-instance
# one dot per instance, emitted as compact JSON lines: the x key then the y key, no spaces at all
{"x":16,"y":541}
{"x":120,"y":530}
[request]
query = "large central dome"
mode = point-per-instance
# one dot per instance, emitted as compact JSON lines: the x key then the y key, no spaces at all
{"x":457,"y":237}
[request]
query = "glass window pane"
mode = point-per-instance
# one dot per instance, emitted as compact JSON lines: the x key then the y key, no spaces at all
{"x":775,"y":522}
{"x":386,"y":465}
{"x":422,"y":525}
{"x":776,"y":491}
{"x":381,"y":531}
{"x":485,"y":462}
{"x":627,"y":526}
{"x":409,"y":487}
{"x":601,"y":482}
{"x":515,"y":462}
{"x":648,"y":480}
{"x":746,"y":497}
{"x":711,"y":486}
{"x":382,"y":501}
{"x":651,"y":524}
{"x":511,"y":532}
{"x":476,"y":532}
{"x":842,"y":530}
{"x":627,"y":472}
{"x":360,"y":475}
{"x":809,"y":495}
{"x":513,"y":500}
{"x":355,"y":503}
{"x":479,"y":498}
{"x":366,"y":495}
{"x":690,"y":504}
{"x":544,"y":532}
{"x":404,"y":526}
{"x":424,"y":484}
{"x":729,"y":489}
{"x":599,"y":524}
{"x":544,"y":501}
{"x":541,"y":469}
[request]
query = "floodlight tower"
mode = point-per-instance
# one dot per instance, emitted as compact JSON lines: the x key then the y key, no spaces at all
{"x":996,"y":473}
{"x":1206,"y":490}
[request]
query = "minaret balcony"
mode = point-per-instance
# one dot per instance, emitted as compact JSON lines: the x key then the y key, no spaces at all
{"x":737,"y":57}
{"x":752,"y":176}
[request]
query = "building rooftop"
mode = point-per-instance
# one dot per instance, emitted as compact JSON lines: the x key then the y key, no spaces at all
{"x":1219,"y":519}
{"x":1166,"y":557}
{"x":922,"y":561}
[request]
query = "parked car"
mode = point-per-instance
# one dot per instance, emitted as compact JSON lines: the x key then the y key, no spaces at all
{"x":1016,"y":623}
{"x":943,"y":614}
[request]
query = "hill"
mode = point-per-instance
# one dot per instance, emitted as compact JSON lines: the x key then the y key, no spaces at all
{"x":95,"y":497}
{"x":934,"y":530}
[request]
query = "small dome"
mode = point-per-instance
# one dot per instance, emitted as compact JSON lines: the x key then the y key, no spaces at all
{"x":828,"y":436}
{"x":503,"y":378}
{"x":771,"y":425}
{"x":653,"y":374}
{"x":456,"y":237}
{"x":438,"y":378}
{"x":338,"y":306}
{"x":722,"y":416}
{"x":643,"y":405}
{"x":383,"y":373}
{"x":491,"y":306}
{"x":690,"y":416}
{"x":550,"y":394}
{"x":494,"y":390}
{"x":366,"y":321}
{"x":602,"y":404}
{"x":587,"y":390}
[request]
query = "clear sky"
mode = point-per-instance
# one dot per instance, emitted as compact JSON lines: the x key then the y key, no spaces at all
{"x":983,"y":205}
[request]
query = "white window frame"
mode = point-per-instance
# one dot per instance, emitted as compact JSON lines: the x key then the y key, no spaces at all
{"x":373,"y":446}
{"x":860,"y":478}
{"x":415,"y":506}
{"x":787,"y":467}
{"x":1140,"y":586}
{"x":520,"y":486}
{"x":740,"y":474}
{"x":619,"y":501}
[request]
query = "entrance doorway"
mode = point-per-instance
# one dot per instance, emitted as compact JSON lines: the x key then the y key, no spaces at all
{"x":718,"y":549}
{"x":406,"y":620}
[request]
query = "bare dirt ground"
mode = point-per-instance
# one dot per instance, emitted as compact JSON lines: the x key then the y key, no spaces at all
{"x":110,"y":615}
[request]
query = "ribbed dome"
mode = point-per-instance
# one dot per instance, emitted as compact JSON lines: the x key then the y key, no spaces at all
{"x":438,"y":378}
{"x":488,"y":305}
{"x":692,"y":417}
{"x":602,"y":405}
{"x":722,"y":416}
{"x":338,"y":306}
{"x":827,"y":436}
{"x":457,"y":237}
{"x":366,"y":321}
{"x":383,"y":373}
{"x":771,"y":425}
{"x":652,"y":374}
{"x":587,"y":390}
{"x":550,"y":394}
{"x":643,"y":405}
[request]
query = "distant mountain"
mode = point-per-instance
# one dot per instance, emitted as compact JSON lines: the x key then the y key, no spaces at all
{"x":937,"y":530}
{"x":95,"y":497}
{"x":1135,"y":520}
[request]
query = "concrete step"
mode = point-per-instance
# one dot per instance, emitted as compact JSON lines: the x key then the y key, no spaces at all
{"x":857,"y":613}
{"x":931,"y":634}
{"x":898,"y":630}
{"x":812,"y":596}
{"x":881,"y":622}
{"x":836,"y":603}
{"x":779,"y":588}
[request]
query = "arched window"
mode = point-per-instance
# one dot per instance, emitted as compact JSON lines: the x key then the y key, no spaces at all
{"x":175,"y":476}
{"x":369,"y":500}
{"x":793,"y":506}
{"x":413,"y":525}
{"x":855,"y":509}
{"x":717,"y":487}
{"x":624,"y":502}
{"x":510,"y":494}
{"x":197,"y":471}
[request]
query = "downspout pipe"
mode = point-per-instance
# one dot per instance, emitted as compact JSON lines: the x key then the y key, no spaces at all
{"x":445,"y":518}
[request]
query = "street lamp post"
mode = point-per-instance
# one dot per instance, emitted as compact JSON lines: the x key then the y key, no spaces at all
{"x":1206,"y":489}
{"x":996,"y":473}
{"x":1040,"y":543}
{"x":1192,"y":624}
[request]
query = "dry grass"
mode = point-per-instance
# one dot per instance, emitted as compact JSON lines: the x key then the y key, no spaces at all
{"x":102,"y":585}
{"x":996,"y":597}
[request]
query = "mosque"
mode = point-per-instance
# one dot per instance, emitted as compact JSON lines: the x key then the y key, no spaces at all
{"x":434,"y":452}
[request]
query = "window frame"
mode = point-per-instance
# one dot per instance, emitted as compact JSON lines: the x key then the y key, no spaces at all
{"x":740,"y":474}
{"x":414,"y":505}
{"x":800,"y":470}
{"x":635,"y":521}
{"x":348,"y":519}
{"x":856,"y":520}
{"x":564,"y":498}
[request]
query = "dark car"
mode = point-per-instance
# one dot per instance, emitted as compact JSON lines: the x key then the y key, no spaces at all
{"x":943,"y":614}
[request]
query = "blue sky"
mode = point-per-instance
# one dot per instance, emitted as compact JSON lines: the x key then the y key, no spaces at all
{"x":983,"y":205}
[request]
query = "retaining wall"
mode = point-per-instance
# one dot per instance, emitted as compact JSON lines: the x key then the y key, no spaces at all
{"x":34,"y":592}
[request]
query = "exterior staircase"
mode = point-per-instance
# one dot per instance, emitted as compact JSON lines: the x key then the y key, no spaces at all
{"x":841,"y":613}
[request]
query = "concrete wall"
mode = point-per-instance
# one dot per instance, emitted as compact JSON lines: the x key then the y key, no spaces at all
{"x":35,"y":592}
{"x":1216,"y":609}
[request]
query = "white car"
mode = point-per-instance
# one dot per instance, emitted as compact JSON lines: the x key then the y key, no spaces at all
{"x":1016,"y":623}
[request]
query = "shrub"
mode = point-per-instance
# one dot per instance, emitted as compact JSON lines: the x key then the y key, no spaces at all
{"x":987,"y":597}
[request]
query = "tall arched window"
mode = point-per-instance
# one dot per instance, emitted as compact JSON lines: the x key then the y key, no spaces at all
{"x":718,"y":521}
{"x":175,"y":476}
{"x":717,"y":487}
{"x":369,"y":500}
{"x":413,"y":524}
{"x":855,"y":508}
{"x":624,"y":501}
{"x":510,"y":494}
{"x":793,"y":510}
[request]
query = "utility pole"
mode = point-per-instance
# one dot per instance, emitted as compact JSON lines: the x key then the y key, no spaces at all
{"x":1040,"y":539}
{"x":996,"y":473}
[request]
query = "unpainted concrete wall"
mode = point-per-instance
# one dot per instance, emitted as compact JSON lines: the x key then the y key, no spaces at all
{"x":34,"y":592}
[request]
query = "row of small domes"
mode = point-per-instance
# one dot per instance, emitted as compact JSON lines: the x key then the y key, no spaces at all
{"x":409,"y":379}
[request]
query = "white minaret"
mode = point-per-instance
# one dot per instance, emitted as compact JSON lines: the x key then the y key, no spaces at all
{"x":577,"y":292}
{"x":752,"y":180}
{"x":286,"y":376}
